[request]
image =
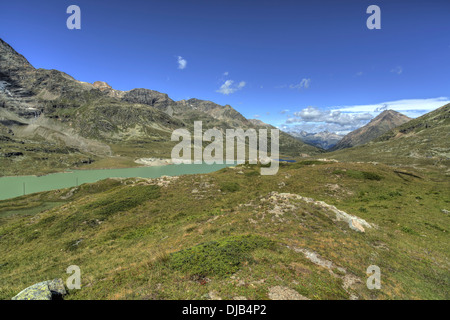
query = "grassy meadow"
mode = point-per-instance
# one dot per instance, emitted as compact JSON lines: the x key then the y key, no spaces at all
{"x":235,"y":234}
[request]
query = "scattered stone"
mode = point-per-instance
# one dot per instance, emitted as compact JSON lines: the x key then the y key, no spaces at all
{"x":355,"y":225}
{"x":205,"y":297}
{"x":349,"y":281}
{"x":314,"y":257}
{"x":69,"y":194}
{"x":56,"y":286}
{"x":76,"y":243}
{"x":285,"y":293}
{"x":445,"y":211}
{"x":333,"y":187}
{"x":213,"y":295}
{"x":240,"y":298}
{"x":327,"y":160}
{"x":241,"y":283}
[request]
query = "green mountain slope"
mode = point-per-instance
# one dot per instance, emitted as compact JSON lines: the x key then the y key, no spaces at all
{"x":291,"y":235}
{"x":424,"y":141}
{"x":382,"y":123}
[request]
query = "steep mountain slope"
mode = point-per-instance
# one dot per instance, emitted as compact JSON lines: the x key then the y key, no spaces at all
{"x":421,"y":141}
{"x":384,"y":122}
{"x":98,"y":121}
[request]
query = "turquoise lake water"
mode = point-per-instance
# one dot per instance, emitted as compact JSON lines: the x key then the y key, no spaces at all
{"x":11,"y":187}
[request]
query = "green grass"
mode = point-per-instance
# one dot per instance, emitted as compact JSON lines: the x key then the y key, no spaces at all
{"x":217,"y":258}
{"x":229,"y":186}
{"x":134,"y":240}
{"x":27,"y":211}
{"x":121,"y":200}
{"x":358,"y":174}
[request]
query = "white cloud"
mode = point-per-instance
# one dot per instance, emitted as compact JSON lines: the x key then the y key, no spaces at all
{"x":226,"y":73}
{"x":181,"y":63}
{"x":397,"y":70}
{"x":360,"y":73}
{"x":228,"y":88}
{"x":343,"y":119}
{"x":256,"y":116}
{"x":312,"y":114}
{"x":304,"y":84}
{"x":409,"y":107}
{"x":284,"y":111}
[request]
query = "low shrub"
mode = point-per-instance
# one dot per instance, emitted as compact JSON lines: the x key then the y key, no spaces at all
{"x":230,"y":186}
{"x":218,"y":258}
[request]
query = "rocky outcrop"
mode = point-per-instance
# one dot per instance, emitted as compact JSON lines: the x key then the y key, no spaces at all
{"x":152,"y":98}
{"x":12,"y":62}
{"x":102,"y":86}
{"x":280,"y":203}
{"x":349,"y":280}
{"x":46,"y":290}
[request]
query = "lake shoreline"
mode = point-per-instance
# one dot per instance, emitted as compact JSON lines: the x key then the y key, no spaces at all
{"x":15,"y":186}
{"x":154,"y":162}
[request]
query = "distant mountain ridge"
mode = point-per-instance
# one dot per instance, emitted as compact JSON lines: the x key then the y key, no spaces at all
{"x":379,"y":125}
{"x":324,"y":139}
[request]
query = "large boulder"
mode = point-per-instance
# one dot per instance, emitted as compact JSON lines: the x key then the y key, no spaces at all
{"x":46,"y":290}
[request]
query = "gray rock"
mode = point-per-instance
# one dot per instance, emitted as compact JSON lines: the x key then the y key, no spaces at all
{"x":285,"y":293}
{"x":56,"y":286}
{"x":46,"y":290}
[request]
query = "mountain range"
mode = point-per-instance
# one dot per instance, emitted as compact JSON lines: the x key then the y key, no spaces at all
{"x":50,"y":118}
{"x":324,"y":139}
{"x":50,"y":121}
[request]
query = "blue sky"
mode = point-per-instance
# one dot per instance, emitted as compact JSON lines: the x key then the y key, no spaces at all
{"x":312,"y":64}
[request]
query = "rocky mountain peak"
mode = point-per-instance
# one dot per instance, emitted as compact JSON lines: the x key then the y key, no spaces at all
{"x":379,"y":125}
{"x":101,"y":85}
{"x":390,"y":114}
{"x":11,"y":61}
